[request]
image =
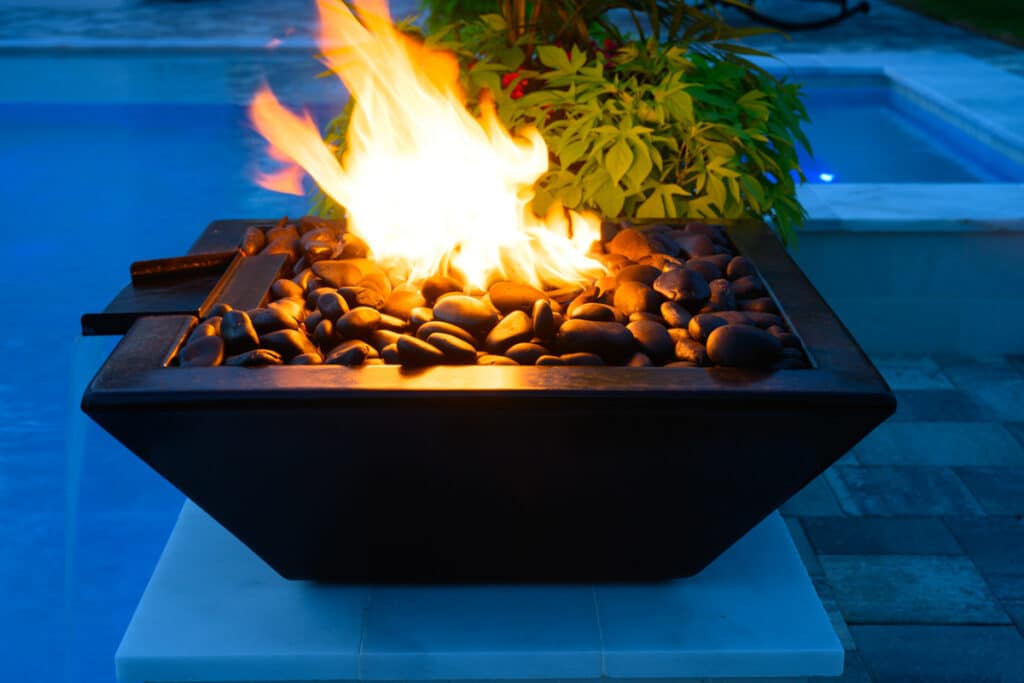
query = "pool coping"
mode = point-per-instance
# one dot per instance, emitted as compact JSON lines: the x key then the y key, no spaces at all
{"x":982,"y":100}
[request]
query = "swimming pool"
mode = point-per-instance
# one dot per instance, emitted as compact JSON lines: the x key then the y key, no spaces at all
{"x":862,"y":130}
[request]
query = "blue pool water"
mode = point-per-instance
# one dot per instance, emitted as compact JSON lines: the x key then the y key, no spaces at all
{"x":869,"y":133}
{"x":86,"y":189}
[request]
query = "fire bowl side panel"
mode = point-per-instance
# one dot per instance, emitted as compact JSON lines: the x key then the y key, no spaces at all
{"x":471,"y":489}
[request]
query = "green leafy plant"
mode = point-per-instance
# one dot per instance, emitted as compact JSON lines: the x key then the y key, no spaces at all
{"x":670,"y":120}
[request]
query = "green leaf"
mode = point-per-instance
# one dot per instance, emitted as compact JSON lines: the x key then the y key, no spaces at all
{"x":618,"y":161}
{"x":511,"y":57}
{"x":652,"y":207}
{"x":570,"y":196}
{"x":572,"y":153}
{"x":553,"y":57}
{"x":610,"y":199}
{"x":495,"y":22}
{"x":642,"y":164}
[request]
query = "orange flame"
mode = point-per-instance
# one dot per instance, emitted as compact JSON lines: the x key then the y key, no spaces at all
{"x":422,"y":181}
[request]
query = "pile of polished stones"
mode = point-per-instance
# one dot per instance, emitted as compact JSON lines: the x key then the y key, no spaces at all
{"x":675,"y":296}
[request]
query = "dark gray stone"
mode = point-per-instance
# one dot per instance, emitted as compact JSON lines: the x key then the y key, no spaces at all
{"x":645,"y":274}
{"x":911,"y":589}
{"x":239,"y":333}
{"x":543,"y":320}
{"x":253,"y":241}
{"x":941,"y":654}
{"x":427,"y":329}
{"x":675,"y":314}
{"x":685,"y":287}
{"x":527,"y":353}
{"x":254,"y":358}
{"x":359,"y":323}
{"x":378,"y":339}
{"x":631,"y":297}
{"x":740,"y":266}
{"x":639,"y":360}
{"x":514,"y":328}
{"x":436,"y":285}
{"x":1000,"y":490}
{"x":362,"y":296}
{"x":456,"y":351}
{"x":414,"y":353}
{"x":337,"y":273}
{"x":266,"y":320}
{"x":288,"y":343}
{"x":324,"y":336}
{"x":593,"y":311}
{"x":611,"y":341}
{"x":722,"y":297}
{"x":350,"y":353}
{"x":880,"y":536}
{"x":936,"y":406}
{"x":693,"y":245}
{"x":284,"y":288}
{"x":706,"y":269}
{"x":421,"y":315}
{"x":653,"y":340}
{"x":748,"y":287}
{"x":691,"y":351}
{"x":743,"y":346}
{"x":630,"y":243}
{"x":470,"y":314}
{"x":895,"y":491}
{"x":202,"y":352}
{"x":401,"y":302}
{"x":208,"y":328}
{"x":514,"y":296}
{"x":331,"y":306}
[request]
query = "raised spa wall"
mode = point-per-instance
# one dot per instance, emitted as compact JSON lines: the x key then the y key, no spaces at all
{"x":931,"y":267}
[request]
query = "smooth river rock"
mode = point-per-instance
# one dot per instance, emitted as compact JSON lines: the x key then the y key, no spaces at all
{"x":239,"y":333}
{"x":631,"y":297}
{"x":653,"y":339}
{"x":743,"y":346}
{"x":466,"y":312}
{"x":685,"y":287}
{"x":359,"y":323}
{"x":288,"y":343}
{"x":514,"y":296}
{"x":456,"y":351}
{"x":203,"y":352}
{"x":703,"y":324}
{"x":526,"y":353}
{"x":434,"y":326}
{"x":350,"y":353}
{"x":630,"y":243}
{"x":514,"y":328}
{"x":612,"y":341}
{"x":416,"y":353}
{"x":543,"y":319}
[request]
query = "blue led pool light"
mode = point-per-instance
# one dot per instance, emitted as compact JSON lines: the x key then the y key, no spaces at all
{"x":826,"y":177}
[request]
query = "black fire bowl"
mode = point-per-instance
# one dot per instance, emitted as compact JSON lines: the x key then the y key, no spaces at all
{"x":475,"y":473}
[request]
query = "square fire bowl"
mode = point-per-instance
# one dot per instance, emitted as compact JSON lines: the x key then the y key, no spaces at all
{"x":473,"y":473}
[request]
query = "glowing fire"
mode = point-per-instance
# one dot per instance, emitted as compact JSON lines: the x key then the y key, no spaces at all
{"x":422,"y":181}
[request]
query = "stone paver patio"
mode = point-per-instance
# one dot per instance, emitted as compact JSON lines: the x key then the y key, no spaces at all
{"x":915,"y":540}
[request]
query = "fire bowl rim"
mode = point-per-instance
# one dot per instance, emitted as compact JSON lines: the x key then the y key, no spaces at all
{"x":137,"y":371}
